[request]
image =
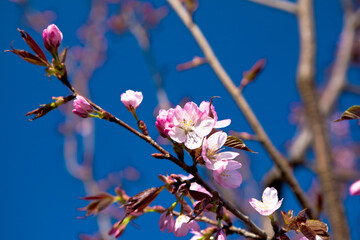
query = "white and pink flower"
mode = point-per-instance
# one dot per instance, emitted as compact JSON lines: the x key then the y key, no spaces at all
{"x":269,"y":204}
{"x":191,"y":125}
{"x":204,"y":106}
{"x":226,"y":175}
{"x":167,"y":222}
{"x":131,"y":99}
{"x":210,"y":151}
{"x":182,"y":226}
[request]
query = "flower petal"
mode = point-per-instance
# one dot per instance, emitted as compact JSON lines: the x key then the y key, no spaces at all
{"x":222,"y":123}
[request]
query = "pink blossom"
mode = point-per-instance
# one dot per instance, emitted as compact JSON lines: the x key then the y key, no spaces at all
{"x":52,"y":37}
{"x":226,"y":176}
{"x":167,"y":222}
{"x":269,"y":204}
{"x":182,"y":226}
{"x":210,"y":151}
{"x":198,"y":188}
{"x":204,"y":106}
{"x":191,"y":125}
{"x":164,"y":121}
{"x":220,"y":235}
{"x":82,"y":107}
{"x":197,"y":235}
{"x":355,"y":188}
{"x":131,"y":99}
{"x":194,"y":186}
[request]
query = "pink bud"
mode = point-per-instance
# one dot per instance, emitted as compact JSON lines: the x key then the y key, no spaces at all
{"x":355,"y":188}
{"x":52,"y":37}
{"x":131,"y":99}
{"x":164,"y":121}
{"x":81,"y":107}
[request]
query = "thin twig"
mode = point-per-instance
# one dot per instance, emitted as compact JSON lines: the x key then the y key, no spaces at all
{"x":277,"y":157}
{"x":306,"y":85}
{"x":283,"y":5}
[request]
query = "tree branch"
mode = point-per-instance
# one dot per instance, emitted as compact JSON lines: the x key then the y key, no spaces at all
{"x":277,"y":157}
{"x":306,"y":85}
{"x":336,"y":85}
{"x":283,"y":5}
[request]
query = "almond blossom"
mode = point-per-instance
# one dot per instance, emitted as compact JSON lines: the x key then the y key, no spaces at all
{"x":205,"y":106}
{"x":131,"y":99}
{"x":182,"y":226}
{"x":191,"y":125}
{"x":355,"y":188}
{"x":167,"y":222}
{"x":210,"y":151}
{"x":226,"y":175}
{"x":269,"y":204}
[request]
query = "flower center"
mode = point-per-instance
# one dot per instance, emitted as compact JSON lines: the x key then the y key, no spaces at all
{"x":187,"y":125}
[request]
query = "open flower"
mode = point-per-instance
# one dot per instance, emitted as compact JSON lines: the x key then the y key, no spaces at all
{"x":269,"y":204}
{"x":164,"y":121}
{"x":167,"y":222}
{"x":52,"y":37}
{"x":191,"y":125}
{"x":205,"y":106}
{"x":210,"y":151}
{"x":182,"y":225}
{"x":226,"y":175}
{"x":81,"y":107}
{"x":131,"y":99}
{"x":355,"y":188}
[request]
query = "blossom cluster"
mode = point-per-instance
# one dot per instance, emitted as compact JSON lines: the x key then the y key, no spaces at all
{"x":196,"y":127}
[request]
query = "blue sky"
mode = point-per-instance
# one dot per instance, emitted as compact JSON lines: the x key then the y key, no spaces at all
{"x":40,"y":198}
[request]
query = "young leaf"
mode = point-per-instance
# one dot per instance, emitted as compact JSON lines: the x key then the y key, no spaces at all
{"x":351,"y":113}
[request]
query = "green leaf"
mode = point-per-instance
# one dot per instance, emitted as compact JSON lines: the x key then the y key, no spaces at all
{"x":235,"y":142}
{"x":351,"y":113}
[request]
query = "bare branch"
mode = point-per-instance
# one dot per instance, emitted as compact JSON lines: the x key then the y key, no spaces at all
{"x":306,"y":84}
{"x":283,"y":5}
{"x":277,"y":157}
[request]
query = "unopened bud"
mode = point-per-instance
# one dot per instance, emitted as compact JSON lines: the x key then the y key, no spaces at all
{"x":143,"y":128}
{"x":52,"y":37}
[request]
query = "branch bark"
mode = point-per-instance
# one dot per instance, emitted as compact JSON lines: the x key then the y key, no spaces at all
{"x":280,"y":161}
{"x":306,"y":85}
{"x":283,"y":5}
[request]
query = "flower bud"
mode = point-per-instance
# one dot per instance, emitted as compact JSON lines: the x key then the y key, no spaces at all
{"x":82,"y":107}
{"x":131,"y":99}
{"x":164,"y":121}
{"x":52,"y":37}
